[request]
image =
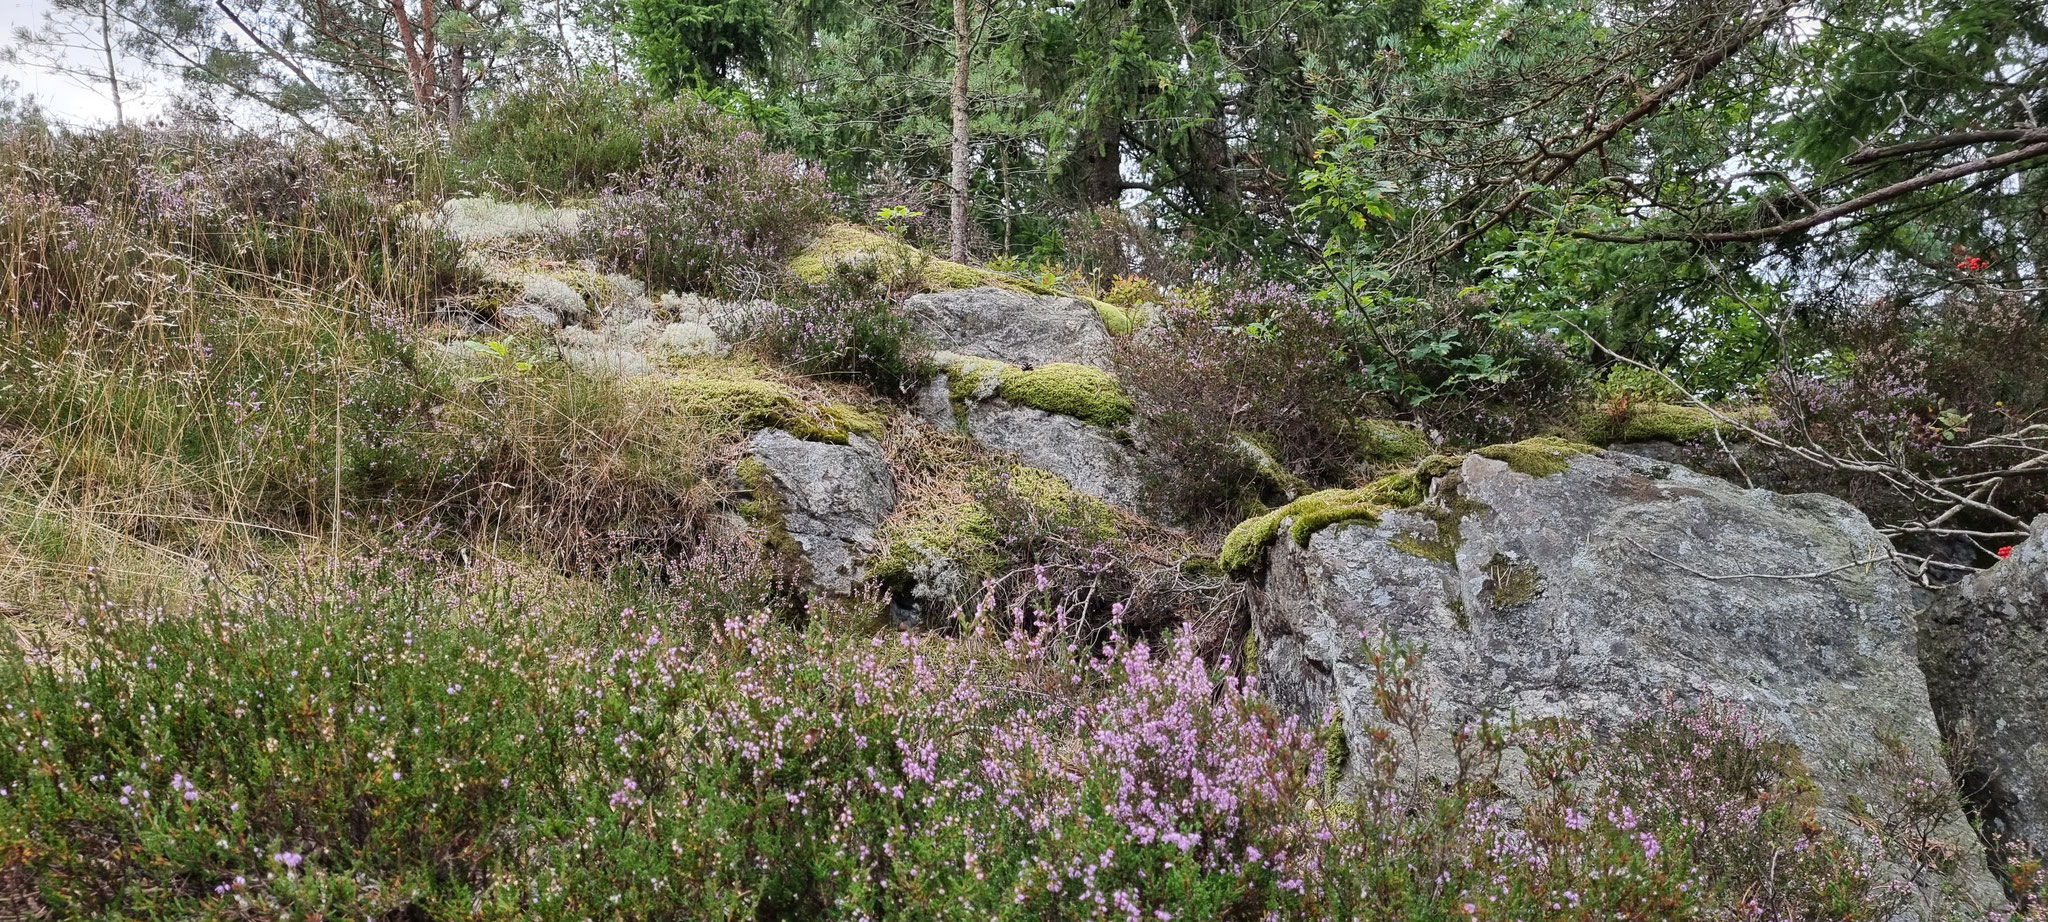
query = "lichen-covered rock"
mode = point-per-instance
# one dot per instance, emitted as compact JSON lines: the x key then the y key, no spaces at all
{"x":542,"y":299}
{"x":1590,"y":586}
{"x":1092,"y":459}
{"x":844,"y":244}
{"x":1985,"y":651}
{"x":485,"y":222}
{"x":1010,"y":326}
{"x":829,"y":500}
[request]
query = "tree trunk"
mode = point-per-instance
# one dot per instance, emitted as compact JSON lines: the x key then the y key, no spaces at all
{"x":113,"y":69}
{"x":962,"y":47}
{"x":1102,"y":161}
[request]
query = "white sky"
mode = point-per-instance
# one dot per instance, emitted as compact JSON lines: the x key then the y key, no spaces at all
{"x":62,"y":98}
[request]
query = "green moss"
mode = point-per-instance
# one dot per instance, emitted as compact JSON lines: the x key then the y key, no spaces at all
{"x":763,"y":509}
{"x":840,"y":243}
{"x":1382,"y":442}
{"x":1201,"y":566}
{"x":732,"y":396}
{"x":1510,"y":584}
{"x":1117,"y":320}
{"x":1266,"y":457}
{"x":962,"y":532}
{"x":1084,"y":392}
{"x":1657,"y":422}
{"x":844,"y":242}
{"x":967,"y":534}
{"x":1537,"y":457}
{"x":1447,"y":513}
{"x":1336,"y":747}
{"x":1246,"y":544}
{"x":596,"y":290}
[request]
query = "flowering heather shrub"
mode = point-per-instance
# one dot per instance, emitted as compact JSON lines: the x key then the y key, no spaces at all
{"x":1220,"y":362}
{"x":1914,"y":383}
{"x":406,"y":742}
{"x":257,"y":213}
{"x":711,"y":208}
{"x":847,"y":327}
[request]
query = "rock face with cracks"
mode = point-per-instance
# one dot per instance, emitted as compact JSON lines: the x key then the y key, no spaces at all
{"x":829,"y":500}
{"x":1984,"y":644}
{"x":1090,"y":458}
{"x":1010,"y":326}
{"x":1594,"y":587}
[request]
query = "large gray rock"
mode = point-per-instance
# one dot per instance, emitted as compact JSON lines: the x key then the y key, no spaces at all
{"x":1010,"y":326}
{"x":1089,"y":458}
{"x":1984,"y":645}
{"x":831,"y":499}
{"x":1593,"y":593}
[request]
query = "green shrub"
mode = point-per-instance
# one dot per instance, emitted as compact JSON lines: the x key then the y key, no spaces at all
{"x":712,"y":209}
{"x":551,"y":139}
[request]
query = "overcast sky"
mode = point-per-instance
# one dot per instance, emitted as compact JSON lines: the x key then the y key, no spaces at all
{"x":61,"y":97}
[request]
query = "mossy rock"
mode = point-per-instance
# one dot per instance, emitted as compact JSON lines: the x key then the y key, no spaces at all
{"x":967,"y":534}
{"x":1383,"y":442}
{"x":841,"y":243}
{"x":1083,"y":392}
{"x":1264,"y":452}
{"x":1537,"y":457}
{"x":1245,"y":548}
{"x":1656,"y":422}
{"x":735,"y":396}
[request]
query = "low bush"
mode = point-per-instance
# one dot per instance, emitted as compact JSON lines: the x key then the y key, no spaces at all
{"x":410,"y":743}
{"x":556,"y":139}
{"x":847,"y":326}
{"x":1220,"y":363}
{"x":711,"y":209}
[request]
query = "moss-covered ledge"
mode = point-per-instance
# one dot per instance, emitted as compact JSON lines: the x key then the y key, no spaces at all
{"x":1083,"y":392}
{"x":733,"y":396}
{"x":1245,"y":548}
{"x":1655,"y":422}
{"x":1538,"y":457}
{"x":839,"y":243}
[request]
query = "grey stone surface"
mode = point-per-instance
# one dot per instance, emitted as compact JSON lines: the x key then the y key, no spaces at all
{"x":833,"y":498}
{"x":1587,"y":595}
{"x":1089,"y":458}
{"x":482,"y":221}
{"x":1010,"y":326}
{"x":1984,"y":646}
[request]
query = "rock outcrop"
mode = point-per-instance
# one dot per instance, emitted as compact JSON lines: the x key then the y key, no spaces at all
{"x":1984,"y":645}
{"x":1590,"y":586}
{"x":1010,"y":326}
{"x":829,"y":500}
{"x":1059,"y":425}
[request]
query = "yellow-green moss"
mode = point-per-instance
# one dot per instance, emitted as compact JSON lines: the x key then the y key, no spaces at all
{"x":1265,"y":456}
{"x":961,"y":532}
{"x":1447,"y":513}
{"x":1246,"y":544}
{"x":1537,"y":457}
{"x":844,"y":242}
{"x":1382,"y":442}
{"x":763,"y":508}
{"x":1656,"y":422}
{"x":731,"y":395}
{"x":966,"y":532}
{"x":1084,"y":392}
{"x":1336,"y":746}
